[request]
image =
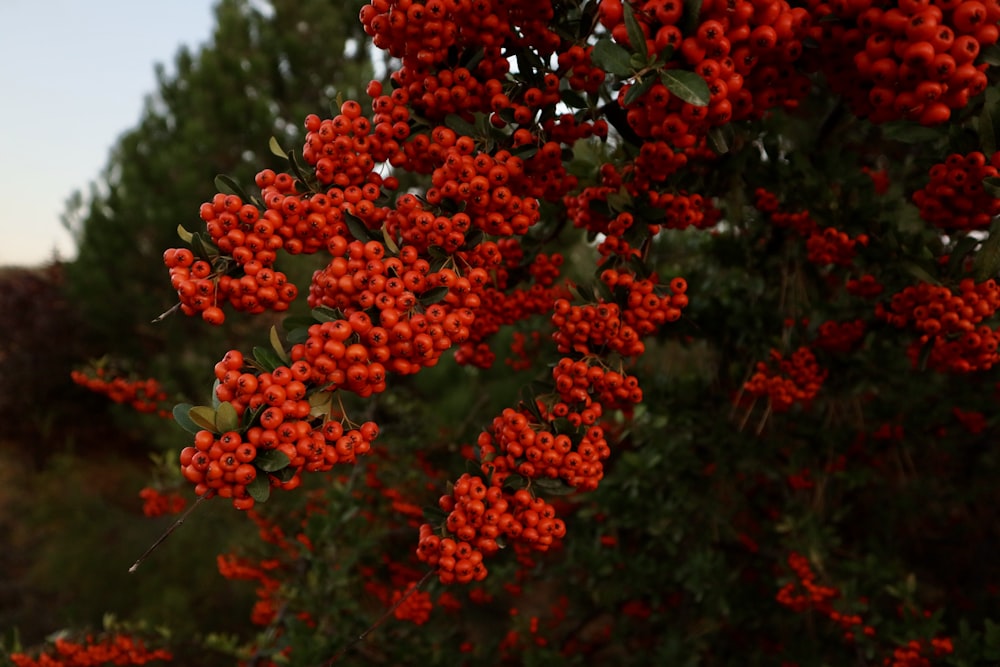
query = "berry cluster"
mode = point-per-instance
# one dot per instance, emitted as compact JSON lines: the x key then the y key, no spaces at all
{"x":412,"y":605}
{"x":950,"y":339}
{"x":480,"y":514}
{"x":745,"y":51}
{"x":951,"y":334}
{"x":917,"y":653}
{"x":144,"y":395}
{"x":116,"y":649}
{"x":824,"y":245}
{"x":805,"y":594}
{"x":606,"y":326}
{"x":954,"y":198}
{"x":157,"y":503}
{"x":839,"y":337}
{"x":785,"y":382}
{"x":911,"y":60}
{"x":280,"y":427}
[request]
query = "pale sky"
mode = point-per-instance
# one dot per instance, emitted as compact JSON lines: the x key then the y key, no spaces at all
{"x":73,"y":76}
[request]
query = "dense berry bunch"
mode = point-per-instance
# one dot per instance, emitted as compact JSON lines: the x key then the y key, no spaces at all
{"x":839,"y":337}
{"x":951,"y":334}
{"x":954,"y":198}
{"x":745,"y":51}
{"x":280,"y":423}
{"x":157,"y":503}
{"x":904,"y":60}
{"x":143,"y":395}
{"x":824,"y":245}
{"x":117,"y":649}
{"x":785,"y":382}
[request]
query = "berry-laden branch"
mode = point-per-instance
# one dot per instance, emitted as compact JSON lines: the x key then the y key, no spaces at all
{"x":441,"y":209}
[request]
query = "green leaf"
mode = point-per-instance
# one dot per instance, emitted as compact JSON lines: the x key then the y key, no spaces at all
{"x":296,"y":336}
{"x":718,"y":140}
{"x":987,"y":132}
{"x":324,"y":314}
{"x":611,"y":57}
{"x":635,"y":35}
{"x":990,"y":55}
{"x":277,"y":149}
{"x":183,"y":418}
{"x":271,"y":460}
{"x":987,"y":262}
{"x":573,"y":99}
{"x":961,"y":250}
{"x":686,"y":85}
{"x":260,"y":488}
{"x":461,"y":126}
{"x":920,"y":272}
{"x":204,"y":417}
{"x":185,"y":235}
{"x":204,"y":248}
{"x":390,"y":243}
{"x":692,"y":12}
{"x":638,"y":89}
{"x":909,"y":132}
{"x":266,"y":358}
{"x":358,"y":229}
{"x":515,"y":481}
{"x":226,"y":418}
{"x":276,"y":344}
{"x":992,"y":185}
{"x":433,"y":295}
{"x":229,"y":185}
{"x":553,"y":487}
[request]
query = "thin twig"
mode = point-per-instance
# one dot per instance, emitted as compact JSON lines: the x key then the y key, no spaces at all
{"x":165,"y":315}
{"x":380,"y":620}
{"x":165,"y":535}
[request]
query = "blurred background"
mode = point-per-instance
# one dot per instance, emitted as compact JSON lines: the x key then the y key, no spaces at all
{"x":117,"y":117}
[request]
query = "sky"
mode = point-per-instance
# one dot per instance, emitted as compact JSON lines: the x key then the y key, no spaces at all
{"x":73,"y":77}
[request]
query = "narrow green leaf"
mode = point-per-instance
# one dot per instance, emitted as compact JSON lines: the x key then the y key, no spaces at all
{"x":433,"y":295}
{"x":638,"y":89}
{"x":635,"y":35}
{"x":909,"y":132}
{"x":204,"y":248}
{"x":296,"y":336}
{"x":461,"y":126}
{"x":228,"y":184}
{"x":277,"y":149}
{"x":515,"y":482}
{"x":270,"y":460}
{"x":204,"y":417}
{"x":987,"y":132}
{"x":919,"y":272}
{"x":692,"y":12}
{"x":324,"y":314}
{"x":358,"y":229}
{"x":260,"y":488}
{"x":573,"y":99}
{"x":958,"y":255}
{"x":226,"y":418}
{"x":266,"y":358}
{"x":992,"y":185}
{"x":987,"y":261}
{"x":276,"y":345}
{"x":686,"y":85}
{"x":553,"y":487}
{"x":612,"y":58}
{"x":990,"y":55}
{"x":390,"y":243}
{"x":717,"y":139}
{"x":185,"y":235}
{"x":183,"y":418}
